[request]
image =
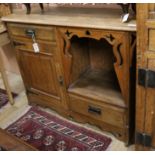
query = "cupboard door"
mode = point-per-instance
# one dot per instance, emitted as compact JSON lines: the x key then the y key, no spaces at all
{"x":145,"y":106}
{"x":41,"y":74}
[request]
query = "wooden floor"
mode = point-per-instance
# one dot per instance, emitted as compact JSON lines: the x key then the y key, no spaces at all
{"x":9,"y":113}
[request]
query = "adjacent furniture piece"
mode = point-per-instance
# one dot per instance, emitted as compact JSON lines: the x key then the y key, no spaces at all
{"x":145,"y":107}
{"x":9,"y":142}
{"x":3,"y":41}
{"x":79,"y":63}
{"x":28,"y":7}
{"x":5,"y":9}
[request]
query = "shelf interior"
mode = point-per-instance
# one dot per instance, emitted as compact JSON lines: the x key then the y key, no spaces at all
{"x":99,"y":86}
{"x":92,"y":74}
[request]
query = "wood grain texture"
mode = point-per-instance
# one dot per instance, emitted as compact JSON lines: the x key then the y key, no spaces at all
{"x":151,"y":9}
{"x":151,"y":39}
{"x":12,"y":143}
{"x":140,"y":91}
{"x":99,"y":86}
{"x":41,"y":33}
{"x":109,"y":114}
{"x":76,"y":17}
{"x":149,"y":126}
{"x":46,"y":48}
{"x":120,"y":44}
{"x":145,"y":106}
{"x":4,"y":40}
{"x":5,"y":80}
{"x":5,"y":9}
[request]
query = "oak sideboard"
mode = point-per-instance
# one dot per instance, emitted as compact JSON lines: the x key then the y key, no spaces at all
{"x":79,"y":63}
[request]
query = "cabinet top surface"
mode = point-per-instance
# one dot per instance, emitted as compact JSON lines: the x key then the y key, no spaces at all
{"x":98,"y":18}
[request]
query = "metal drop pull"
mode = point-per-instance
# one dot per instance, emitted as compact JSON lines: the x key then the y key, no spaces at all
{"x":94,"y":110}
{"x":61,"y":81}
{"x":30,"y":32}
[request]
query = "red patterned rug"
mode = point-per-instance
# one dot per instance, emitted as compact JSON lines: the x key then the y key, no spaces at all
{"x":47,"y":132}
{"x":4,"y":97}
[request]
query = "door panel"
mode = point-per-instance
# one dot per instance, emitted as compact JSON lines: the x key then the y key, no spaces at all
{"x":150,"y":105}
{"x":145,"y":105}
{"x":39,"y":72}
{"x":152,"y":39}
{"x":151,"y":10}
{"x":141,"y":63}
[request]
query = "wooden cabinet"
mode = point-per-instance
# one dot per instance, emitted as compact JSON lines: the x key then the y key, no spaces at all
{"x":86,"y":73}
{"x":10,"y":142}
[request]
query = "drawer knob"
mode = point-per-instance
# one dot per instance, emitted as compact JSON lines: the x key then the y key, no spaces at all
{"x":94,"y":110}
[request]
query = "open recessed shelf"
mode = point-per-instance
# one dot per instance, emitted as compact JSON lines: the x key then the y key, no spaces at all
{"x":99,"y":86}
{"x":92,"y":74}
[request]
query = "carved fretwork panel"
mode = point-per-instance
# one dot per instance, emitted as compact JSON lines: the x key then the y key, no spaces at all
{"x":120,"y":42}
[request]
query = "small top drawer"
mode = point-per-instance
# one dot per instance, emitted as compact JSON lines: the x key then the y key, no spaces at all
{"x":41,"y":32}
{"x":26,"y":45}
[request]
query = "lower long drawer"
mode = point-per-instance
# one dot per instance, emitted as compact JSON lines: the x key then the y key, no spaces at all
{"x":98,"y":110}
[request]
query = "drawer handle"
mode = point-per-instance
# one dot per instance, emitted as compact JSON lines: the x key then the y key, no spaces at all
{"x":94,"y":110}
{"x":15,"y":43}
{"x":30,"y":32}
